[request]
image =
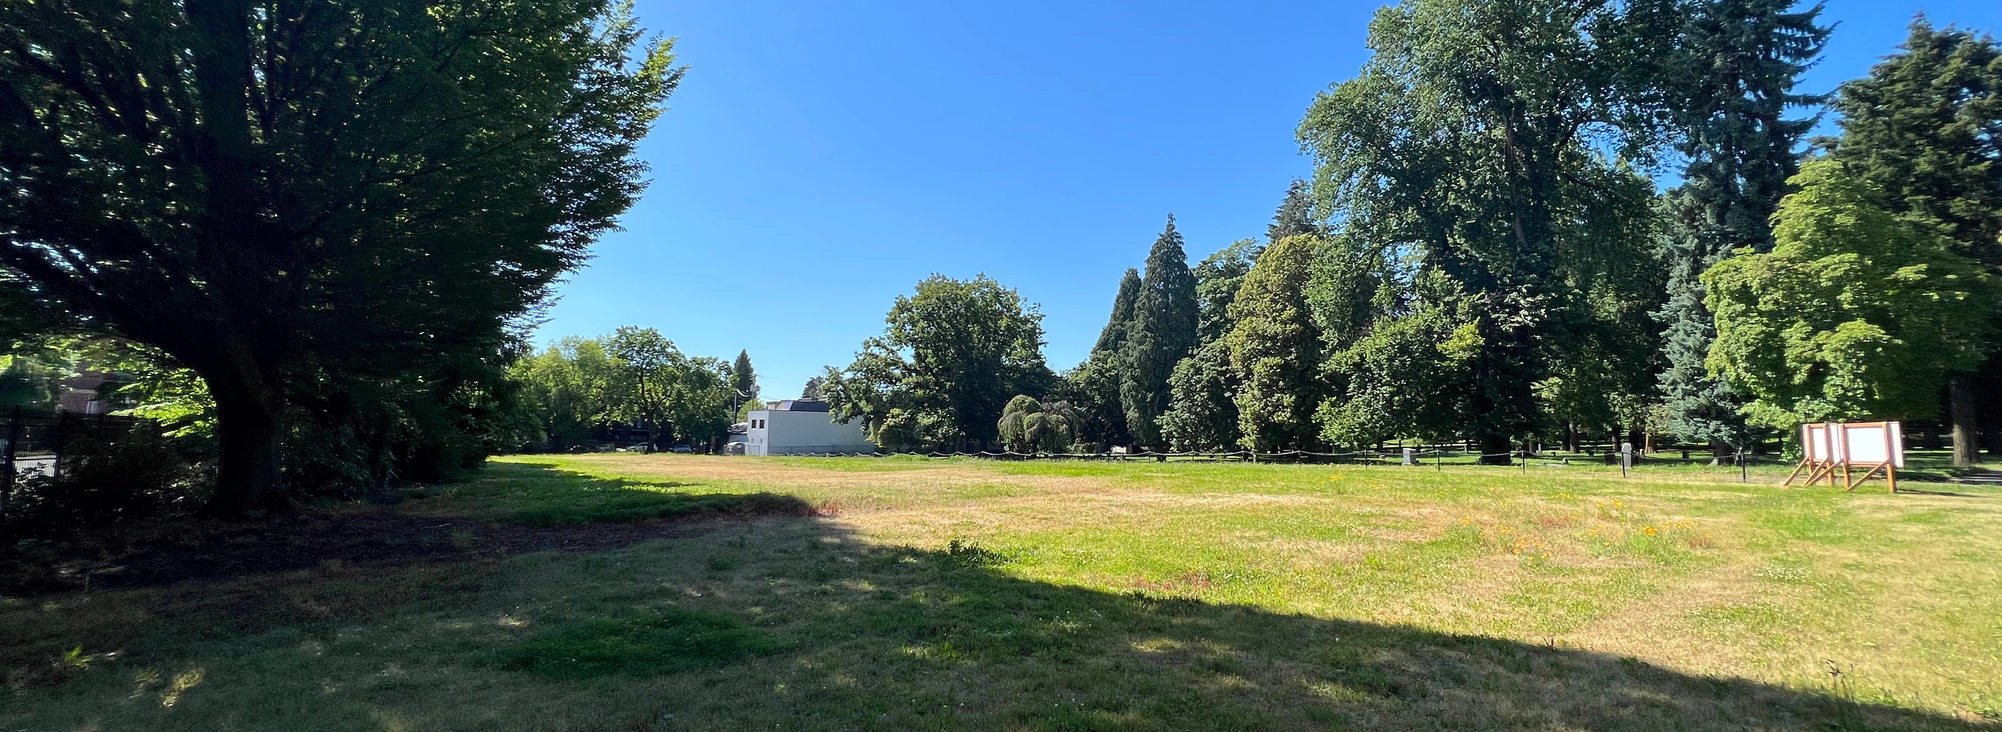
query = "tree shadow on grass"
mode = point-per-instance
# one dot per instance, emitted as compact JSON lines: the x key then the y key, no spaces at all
{"x":871,"y":636}
{"x":908,"y":638}
{"x":514,"y":509}
{"x":826,"y":630}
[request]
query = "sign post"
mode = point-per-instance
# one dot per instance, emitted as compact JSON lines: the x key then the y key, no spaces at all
{"x":1830,"y":446}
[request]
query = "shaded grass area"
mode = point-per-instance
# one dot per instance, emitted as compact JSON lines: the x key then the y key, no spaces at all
{"x":662,"y":641}
{"x":1035,"y":596}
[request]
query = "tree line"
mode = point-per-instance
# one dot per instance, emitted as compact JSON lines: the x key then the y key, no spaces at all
{"x":1484,"y":254}
{"x":578,"y":391}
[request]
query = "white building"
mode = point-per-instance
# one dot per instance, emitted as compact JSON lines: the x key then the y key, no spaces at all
{"x":793,"y":426}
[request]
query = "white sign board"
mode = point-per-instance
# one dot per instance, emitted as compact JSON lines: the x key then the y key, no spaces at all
{"x":1829,"y":446}
{"x":1861,"y":443}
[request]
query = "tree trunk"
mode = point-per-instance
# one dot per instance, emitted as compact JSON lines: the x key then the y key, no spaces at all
{"x":248,"y":434}
{"x":1495,"y":450}
{"x":1966,"y":426}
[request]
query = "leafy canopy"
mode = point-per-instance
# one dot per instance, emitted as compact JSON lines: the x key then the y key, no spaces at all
{"x":1854,"y":313}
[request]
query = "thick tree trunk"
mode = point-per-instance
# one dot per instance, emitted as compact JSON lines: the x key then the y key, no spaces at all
{"x":1495,"y":450}
{"x":1966,"y":425}
{"x":248,"y":431}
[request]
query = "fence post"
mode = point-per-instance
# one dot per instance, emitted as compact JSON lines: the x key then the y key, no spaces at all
{"x":1525,"y":457}
{"x":13,"y":440}
{"x":58,"y":440}
{"x":1744,"y":474}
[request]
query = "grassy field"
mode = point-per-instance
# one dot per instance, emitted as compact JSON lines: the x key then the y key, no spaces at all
{"x":680,"y":592}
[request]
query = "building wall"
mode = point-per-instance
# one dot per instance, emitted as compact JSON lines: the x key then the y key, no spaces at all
{"x":787,"y":433}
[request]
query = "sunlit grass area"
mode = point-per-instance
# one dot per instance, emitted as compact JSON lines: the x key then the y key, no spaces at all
{"x":680,"y":592}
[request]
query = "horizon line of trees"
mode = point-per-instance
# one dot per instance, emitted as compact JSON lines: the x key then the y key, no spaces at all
{"x":1482,"y":255}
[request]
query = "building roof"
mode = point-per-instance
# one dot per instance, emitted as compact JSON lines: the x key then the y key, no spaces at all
{"x":800,"y":405}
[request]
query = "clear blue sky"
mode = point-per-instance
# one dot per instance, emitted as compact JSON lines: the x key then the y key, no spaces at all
{"x":819,"y":160}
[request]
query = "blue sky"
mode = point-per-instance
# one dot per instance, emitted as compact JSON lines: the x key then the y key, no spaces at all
{"x":820,"y":159}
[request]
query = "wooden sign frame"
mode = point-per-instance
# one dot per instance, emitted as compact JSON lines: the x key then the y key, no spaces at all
{"x":1830,"y":446}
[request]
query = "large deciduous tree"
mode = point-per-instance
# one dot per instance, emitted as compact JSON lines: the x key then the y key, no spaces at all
{"x":1202,"y":401}
{"x":285,"y":195}
{"x":644,"y":380}
{"x":953,"y":353}
{"x":1925,"y":127}
{"x":1854,"y":313}
{"x":1275,"y":349}
{"x":1731,"y":84}
{"x":1162,"y":332}
{"x":562,"y":390}
{"x":1479,"y":134}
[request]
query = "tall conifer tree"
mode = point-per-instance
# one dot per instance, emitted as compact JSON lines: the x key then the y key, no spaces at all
{"x":743,"y":378}
{"x":1113,"y":336}
{"x":1295,"y":216}
{"x":1733,"y":83}
{"x":1163,"y":331}
{"x":1926,"y":127}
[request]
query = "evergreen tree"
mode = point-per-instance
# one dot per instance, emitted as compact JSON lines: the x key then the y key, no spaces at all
{"x":742,"y":378}
{"x":1093,"y":387}
{"x":1925,"y":127}
{"x":1113,"y":336}
{"x":1295,"y":216}
{"x":1275,"y":349}
{"x":1163,"y":331}
{"x":1733,"y":83}
{"x":329,"y":210}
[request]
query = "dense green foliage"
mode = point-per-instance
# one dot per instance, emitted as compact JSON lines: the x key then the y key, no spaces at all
{"x":1479,"y":135}
{"x":576,"y":391}
{"x":1734,"y":73}
{"x":329,"y":211}
{"x":1202,"y":395}
{"x":952,"y":354}
{"x":1113,"y":336}
{"x":744,"y":379}
{"x":1031,"y":426}
{"x":1925,"y":127}
{"x":1854,"y":313}
{"x":1162,"y":333}
{"x":1274,"y":349}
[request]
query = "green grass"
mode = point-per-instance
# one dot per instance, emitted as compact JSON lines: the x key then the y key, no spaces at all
{"x":678,"y":592}
{"x":661,"y":641}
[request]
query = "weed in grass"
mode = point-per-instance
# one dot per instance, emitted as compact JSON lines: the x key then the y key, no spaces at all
{"x":663,"y":641}
{"x":967,"y":554}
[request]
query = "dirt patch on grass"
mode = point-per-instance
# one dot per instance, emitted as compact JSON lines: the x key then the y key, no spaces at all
{"x":356,"y":536}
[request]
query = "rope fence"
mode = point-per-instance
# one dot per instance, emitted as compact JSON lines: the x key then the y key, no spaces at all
{"x":1417,"y":457}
